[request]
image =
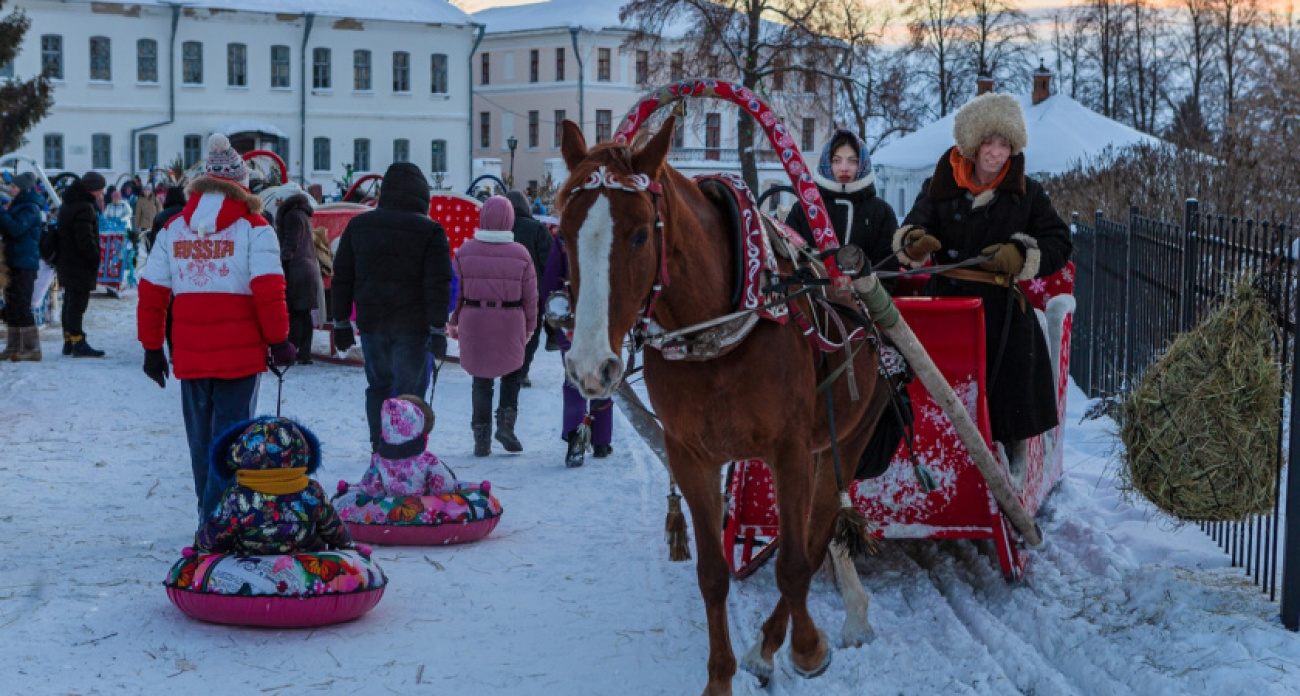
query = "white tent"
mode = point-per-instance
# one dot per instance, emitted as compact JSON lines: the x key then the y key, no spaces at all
{"x":1061,"y":133}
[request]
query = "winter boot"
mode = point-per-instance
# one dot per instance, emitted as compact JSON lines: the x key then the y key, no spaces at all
{"x":67,"y":343}
{"x":601,"y":451}
{"x":506,"y":429}
{"x":30,"y":349}
{"x":12,"y":344}
{"x":482,"y":440}
{"x":81,"y":349}
{"x":577,"y":451}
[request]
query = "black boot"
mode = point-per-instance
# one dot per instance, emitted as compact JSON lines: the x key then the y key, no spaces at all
{"x":81,"y":349}
{"x":577,"y":451}
{"x":601,"y":451}
{"x":482,"y":440}
{"x":67,"y":343}
{"x":506,"y":429}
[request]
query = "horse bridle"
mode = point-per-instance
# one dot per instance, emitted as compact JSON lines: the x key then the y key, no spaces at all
{"x":637,"y":183}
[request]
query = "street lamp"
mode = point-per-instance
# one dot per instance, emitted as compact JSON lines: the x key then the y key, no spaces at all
{"x":512,"y":142}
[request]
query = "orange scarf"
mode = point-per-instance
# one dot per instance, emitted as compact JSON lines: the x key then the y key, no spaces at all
{"x":963,"y":170}
{"x":273,"y":481}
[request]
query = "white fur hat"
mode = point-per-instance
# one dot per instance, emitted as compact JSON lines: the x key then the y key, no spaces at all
{"x":986,"y":116}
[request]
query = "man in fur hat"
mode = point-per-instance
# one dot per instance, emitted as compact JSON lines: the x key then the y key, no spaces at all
{"x":220,"y":260}
{"x":980,"y":203}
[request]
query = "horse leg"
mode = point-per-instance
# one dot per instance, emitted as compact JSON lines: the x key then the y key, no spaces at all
{"x":701,"y":485}
{"x":810,"y":651}
{"x":758,"y":660}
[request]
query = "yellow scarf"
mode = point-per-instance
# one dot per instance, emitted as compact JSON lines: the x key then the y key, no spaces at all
{"x":274,"y":481}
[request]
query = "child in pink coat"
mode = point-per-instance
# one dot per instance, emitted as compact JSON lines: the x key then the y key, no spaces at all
{"x":402,"y":465}
{"x":496,"y":313}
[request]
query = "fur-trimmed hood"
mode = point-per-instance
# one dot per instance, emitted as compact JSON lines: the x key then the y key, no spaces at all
{"x":229,"y":189}
{"x":986,"y":116}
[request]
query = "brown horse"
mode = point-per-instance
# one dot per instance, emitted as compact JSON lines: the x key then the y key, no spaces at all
{"x":758,"y":401}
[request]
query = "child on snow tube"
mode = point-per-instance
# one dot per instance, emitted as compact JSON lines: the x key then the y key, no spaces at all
{"x":408,"y":495}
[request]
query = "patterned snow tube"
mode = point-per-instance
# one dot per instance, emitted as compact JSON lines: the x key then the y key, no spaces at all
{"x":469,"y":514}
{"x":276,"y":591}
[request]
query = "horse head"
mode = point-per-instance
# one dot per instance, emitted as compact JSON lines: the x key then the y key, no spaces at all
{"x":611,"y":227}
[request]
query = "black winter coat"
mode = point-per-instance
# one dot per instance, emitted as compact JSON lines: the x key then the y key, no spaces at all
{"x":78,"y":233}
{"x":394,"y":262}
{"x":298,"y":252}
{"x":857,"y":214}
{"x":1022,"y":394}
{"x":535,"y":237}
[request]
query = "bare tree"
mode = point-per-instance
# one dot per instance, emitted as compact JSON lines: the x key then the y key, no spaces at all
{"x":1068,"y":43}
{"x":997,"y":38}
{"x":1197,"y":45}
{"x":1103,"y":20}
{"x":936,"y":28}
{"x":1144,"y":73}
{"x":1234,"y":22}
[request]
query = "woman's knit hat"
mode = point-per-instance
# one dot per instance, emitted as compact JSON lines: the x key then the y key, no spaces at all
{"x":498,"y":215}
{"x":25,"y":181}
{"x":986,"y":116}
{"x":405,"y":418}
{"x":223,"y":162}
{"x":266,"y":442}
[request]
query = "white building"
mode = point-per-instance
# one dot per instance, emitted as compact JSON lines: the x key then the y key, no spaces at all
{"x":544,"y":62}
{"x":1062,"y":132}
{"x":323,"y":83}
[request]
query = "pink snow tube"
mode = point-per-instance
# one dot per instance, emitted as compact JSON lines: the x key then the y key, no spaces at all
{"x":469,"y":514}
{"x":277,"y":591}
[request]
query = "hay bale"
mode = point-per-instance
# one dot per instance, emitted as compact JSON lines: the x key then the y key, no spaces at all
{"x":1201,"y":429}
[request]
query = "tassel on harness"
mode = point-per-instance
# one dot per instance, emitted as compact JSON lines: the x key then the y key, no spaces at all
{"x":675,"y":533}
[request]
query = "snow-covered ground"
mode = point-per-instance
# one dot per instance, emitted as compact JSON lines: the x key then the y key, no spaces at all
{"x":573,"y":593}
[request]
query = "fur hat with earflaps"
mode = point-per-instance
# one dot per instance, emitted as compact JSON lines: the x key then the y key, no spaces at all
{"x":986,"y":116}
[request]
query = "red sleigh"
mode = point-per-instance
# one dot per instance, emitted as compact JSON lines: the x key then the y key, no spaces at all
{"x":960,"y":506}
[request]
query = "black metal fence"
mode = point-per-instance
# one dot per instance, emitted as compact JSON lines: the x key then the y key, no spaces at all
{"x":1142,"y":281}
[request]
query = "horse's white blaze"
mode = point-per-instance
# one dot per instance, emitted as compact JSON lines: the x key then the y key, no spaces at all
{"x":590,"y":351}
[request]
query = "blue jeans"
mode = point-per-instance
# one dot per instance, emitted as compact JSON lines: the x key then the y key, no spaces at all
{"x":211,"y":406}
{"x":396,"y":364}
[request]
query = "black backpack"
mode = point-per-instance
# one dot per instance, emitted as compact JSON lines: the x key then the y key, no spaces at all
{"x":49,"y":245}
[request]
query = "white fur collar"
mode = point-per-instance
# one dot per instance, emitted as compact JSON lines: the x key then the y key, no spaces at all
{"x":495,"y":236}
{"x":851,"y":187}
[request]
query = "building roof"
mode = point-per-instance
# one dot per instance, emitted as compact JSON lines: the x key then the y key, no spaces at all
{"x":1061,"y":133}
{"x":426,"y":11}
{"x":592,"y":15}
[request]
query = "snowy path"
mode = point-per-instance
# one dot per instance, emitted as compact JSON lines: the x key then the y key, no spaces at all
{"x":573,"y":593}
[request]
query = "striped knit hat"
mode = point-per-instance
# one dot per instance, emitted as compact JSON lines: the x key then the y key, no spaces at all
{"x":224,"y":163}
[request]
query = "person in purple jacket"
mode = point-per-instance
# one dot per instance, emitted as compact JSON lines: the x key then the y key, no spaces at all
{"x":496,"y":313}
{"x":597,"y":415}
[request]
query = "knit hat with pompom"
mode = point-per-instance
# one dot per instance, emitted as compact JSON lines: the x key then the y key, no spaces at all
{"x":223,"y":162}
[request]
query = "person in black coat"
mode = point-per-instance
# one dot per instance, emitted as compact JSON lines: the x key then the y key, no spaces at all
{"x":394,"y":263}
{"x":536,"y":238}
{"x":301,"y":271}
{"x":173,"y":204}
{"x":980,"y":203}
{"x":848,"y":188}
{"x":78,"y":260}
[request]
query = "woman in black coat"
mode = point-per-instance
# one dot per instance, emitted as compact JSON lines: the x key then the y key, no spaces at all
{"x":301,"y":270}
{"x":173,"y":204}
{"x":980,"y":203}
{"x":78,"y":259}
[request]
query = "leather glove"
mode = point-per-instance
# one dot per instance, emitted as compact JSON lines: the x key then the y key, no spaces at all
{"x":344,"y":339}
{"x":916,"y":245}
{"x":1007,"y":259}
{"x":438,"y":342}
{"x":283,"y":354}
{"x":155,"y":366}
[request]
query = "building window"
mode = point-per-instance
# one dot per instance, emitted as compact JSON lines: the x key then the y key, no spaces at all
{"x":677,"y":67}
{"x":486,"y":66}
{"x":712,"y":135}
{"x":101,"y":59}
{"x":438,"y":73}
{"x":280,"y":67}
{"x":484,"y":130}
{"x":604,"y":119}
{"x":361,"y":155}
{"x":534,"y":65}
{"x":602,"y":64}
{"x":809,"y":133}
{"x":778,"y":74}
{"x":642,"y":67}
{"x":236,"y":65}
{"x":320,"y":68}
{"x":439,"y":156}
{"x":146,"y":60}
{"x":810,"y":82}
{"x":101,"y":151}
{"x":401,"y":71}
{"x":53,"y":151}
{"x":401,"y":150}
{"x":320,"y":155}
{"x":7,"y":70}
{"x":193,"y":150}
{"x":534,"y":128}
{"x":559,"y":64}
{"x":52,"y":62}
{"x":361,"y":71}
{"x":192,"y":63}
{"x":148,"y":151}
{"x":559,"y":127}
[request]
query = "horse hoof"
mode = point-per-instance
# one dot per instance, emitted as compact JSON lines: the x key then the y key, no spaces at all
{"x":820,"y":669}
{"x":856,"y":634}
{"x":754,"y":663}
